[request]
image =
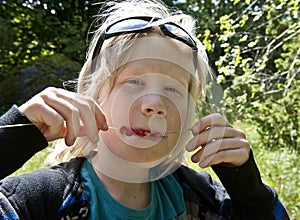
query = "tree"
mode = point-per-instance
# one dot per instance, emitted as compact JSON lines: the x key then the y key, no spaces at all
{"x":31,"y":32}
{"x":254,"y":47}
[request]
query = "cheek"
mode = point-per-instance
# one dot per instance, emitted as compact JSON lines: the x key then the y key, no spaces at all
{"x":177,"y":113}
{"x":116,"y":109}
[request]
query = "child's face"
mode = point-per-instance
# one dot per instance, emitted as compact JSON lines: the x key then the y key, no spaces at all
{"x":148,"y":102}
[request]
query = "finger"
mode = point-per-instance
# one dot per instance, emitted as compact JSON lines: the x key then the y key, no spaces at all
{"x":214,"y":133}
{"x":208,"y":121}
{"x":70,"y":114}
{"x":100,"y":118}
{"x":72,"y":127}
{"x":85,"y":113}
{"x":233,"y":157}
{"x":90,"y":113}
{"x":52,"y":125}
{"x":44,"y":117}
{"x":87,"y":116}
{"x":220,"y":145}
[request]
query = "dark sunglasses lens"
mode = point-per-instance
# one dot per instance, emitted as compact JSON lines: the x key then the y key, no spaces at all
{"x":180,"y":34}
{"x":127,"y":25}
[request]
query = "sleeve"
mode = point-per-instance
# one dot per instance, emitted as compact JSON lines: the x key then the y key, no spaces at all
{"x":251,"y":199}
{"x":17,"y":144}
{"x":7,"y":211}
{"x":37,"y":195}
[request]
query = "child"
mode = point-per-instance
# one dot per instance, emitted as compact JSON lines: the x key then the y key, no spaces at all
{"x":127,"y":128}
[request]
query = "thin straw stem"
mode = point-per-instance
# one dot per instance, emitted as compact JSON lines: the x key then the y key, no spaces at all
{"x":15,"y":125}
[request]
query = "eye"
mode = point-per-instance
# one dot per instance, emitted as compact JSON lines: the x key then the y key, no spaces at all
{"x":136,"y":82}
{"x":173,"y":90}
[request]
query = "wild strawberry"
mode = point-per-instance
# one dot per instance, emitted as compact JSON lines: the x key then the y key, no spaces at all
{"x":147,"y":133}
{"x":139,"y":132}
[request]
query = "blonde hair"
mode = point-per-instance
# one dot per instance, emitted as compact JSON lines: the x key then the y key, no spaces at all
{"x":92,"y":80}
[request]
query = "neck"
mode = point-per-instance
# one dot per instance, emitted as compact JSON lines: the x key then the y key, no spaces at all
{"x":132,"y":195}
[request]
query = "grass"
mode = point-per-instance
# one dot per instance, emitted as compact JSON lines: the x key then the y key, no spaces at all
{"x":279,"y":169}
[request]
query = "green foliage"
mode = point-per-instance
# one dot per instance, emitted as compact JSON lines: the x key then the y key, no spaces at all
{"x":41,"y":44}
{"x":263,"y":69}
{"x":255,"y":52}
{"x":37,"y":28}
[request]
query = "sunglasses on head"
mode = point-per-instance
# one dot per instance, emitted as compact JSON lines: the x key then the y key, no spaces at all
{"x":142,"y":25}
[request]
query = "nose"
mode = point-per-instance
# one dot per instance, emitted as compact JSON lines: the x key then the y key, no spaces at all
{"x":153,"y":105}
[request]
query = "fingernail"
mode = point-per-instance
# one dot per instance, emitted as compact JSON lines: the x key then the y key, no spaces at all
{"x":104,"y":126}
{"x":204,"y":163}
{"x":190,"y":146}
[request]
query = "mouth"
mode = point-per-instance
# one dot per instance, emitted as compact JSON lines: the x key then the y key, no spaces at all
{"x":140,"y":132}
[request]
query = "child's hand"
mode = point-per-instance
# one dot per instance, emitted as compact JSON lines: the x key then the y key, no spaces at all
{"x":62,"y":114}
{"x":218,"y":143}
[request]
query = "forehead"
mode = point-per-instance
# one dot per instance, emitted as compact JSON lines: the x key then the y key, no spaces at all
{"x":152,"y":46}
{"x":164,"y":49}
{"x":155,"y":66}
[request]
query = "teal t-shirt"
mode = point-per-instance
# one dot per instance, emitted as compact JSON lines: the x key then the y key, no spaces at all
{"x":167,"y":201}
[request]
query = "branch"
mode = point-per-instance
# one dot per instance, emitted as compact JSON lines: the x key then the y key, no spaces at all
{"x":287,"y":86}
{"x":243,"y":12}
{"x":268,"y":21}
{"x":269,"y":50}
{"x":286,"y":39}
